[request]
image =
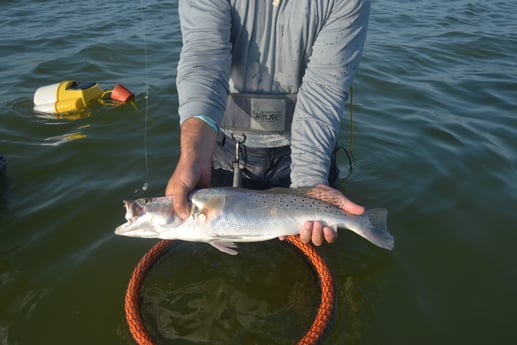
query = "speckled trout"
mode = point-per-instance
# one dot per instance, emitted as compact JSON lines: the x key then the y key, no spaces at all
{"x":222,"y":216}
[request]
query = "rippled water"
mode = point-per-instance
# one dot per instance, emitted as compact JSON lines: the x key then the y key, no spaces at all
{"x":435,"y":138}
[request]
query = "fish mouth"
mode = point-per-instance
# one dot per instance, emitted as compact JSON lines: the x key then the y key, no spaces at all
{"x":122,"y":229}
{"x":131,"y":229}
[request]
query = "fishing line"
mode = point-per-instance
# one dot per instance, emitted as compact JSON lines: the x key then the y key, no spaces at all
{"x":146,"y":183}
{"x":351,"y":140}
{"x":146,"y":112}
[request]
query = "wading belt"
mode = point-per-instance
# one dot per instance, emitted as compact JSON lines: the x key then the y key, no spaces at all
{"x":256,"y":114}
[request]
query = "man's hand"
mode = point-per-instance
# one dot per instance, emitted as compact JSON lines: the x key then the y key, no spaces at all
{"x":197,"y":140}
{"x":315,"y":231}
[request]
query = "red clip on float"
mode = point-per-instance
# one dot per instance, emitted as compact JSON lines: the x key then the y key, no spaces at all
{"x":121,"y":94}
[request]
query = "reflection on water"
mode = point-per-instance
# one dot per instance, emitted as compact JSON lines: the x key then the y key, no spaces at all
{"x":64,"y":138}
{"x":67,"y":116}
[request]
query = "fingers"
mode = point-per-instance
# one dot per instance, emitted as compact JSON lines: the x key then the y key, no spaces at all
{"x":317,"y":233}
{"x":329,"y":234}
{"x":179,"y":201}
{"x":335,"y":197}
{"x":352,"y":207}
{"x":306,"y":232}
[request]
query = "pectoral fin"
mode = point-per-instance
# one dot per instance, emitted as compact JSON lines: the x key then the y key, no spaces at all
{"x":224,"y":246}
{"x":213,"y":208}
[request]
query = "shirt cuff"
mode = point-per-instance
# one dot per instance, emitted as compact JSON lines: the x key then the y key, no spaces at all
{"x":209,"y":122}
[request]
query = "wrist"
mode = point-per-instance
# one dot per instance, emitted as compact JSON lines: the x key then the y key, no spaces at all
{"x":197,"y":141}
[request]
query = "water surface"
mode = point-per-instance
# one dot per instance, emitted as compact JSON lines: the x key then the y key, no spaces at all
{"x":435,"y":137}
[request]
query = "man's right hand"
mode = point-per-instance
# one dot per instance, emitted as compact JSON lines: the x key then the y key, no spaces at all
{"x":197,"y":143}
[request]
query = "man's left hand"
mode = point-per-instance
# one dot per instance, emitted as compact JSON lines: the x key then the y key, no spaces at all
{"x":314,"y":230}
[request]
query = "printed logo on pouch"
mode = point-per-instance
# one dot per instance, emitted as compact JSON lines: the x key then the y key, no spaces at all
{"x":268,"y":115}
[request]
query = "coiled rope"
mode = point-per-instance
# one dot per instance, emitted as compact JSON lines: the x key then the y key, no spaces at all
{"x":142,"y":336}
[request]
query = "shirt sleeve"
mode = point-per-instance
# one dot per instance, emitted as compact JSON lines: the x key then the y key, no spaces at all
{"x":204,"y":65}
{"x":322,"y":96}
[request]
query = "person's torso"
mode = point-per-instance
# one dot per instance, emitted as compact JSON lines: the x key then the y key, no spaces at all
{"x":271,"y":44}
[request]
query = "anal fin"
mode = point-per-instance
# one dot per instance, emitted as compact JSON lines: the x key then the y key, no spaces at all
{"x":224,"y":246}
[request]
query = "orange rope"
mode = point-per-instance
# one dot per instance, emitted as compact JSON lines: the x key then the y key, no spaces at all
{"x":142,"y":336}
{"x":327,"y":292}
{"x":132,"y":305}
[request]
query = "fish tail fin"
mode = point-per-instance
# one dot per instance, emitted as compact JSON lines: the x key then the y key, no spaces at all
{"x":377,"y":231}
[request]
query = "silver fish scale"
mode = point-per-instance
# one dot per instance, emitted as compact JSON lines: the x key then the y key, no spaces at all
{"x":260,"y":215}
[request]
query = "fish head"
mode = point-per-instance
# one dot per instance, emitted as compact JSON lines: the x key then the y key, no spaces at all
{"x":154,"y":217}
{"x":148,"y":218}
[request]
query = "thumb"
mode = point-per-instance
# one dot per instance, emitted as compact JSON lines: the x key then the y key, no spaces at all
{"x":179,"y":195}
{"x":352,"y":207}
{"x":180,"y":203}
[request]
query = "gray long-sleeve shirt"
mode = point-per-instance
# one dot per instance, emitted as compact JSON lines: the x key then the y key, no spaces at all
{"x":308,"y":47}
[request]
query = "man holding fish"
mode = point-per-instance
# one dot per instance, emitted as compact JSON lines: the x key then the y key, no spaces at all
{"x":262,"y":89}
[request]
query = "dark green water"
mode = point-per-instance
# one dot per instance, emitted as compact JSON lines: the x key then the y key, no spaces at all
{"x":435,"y":141}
